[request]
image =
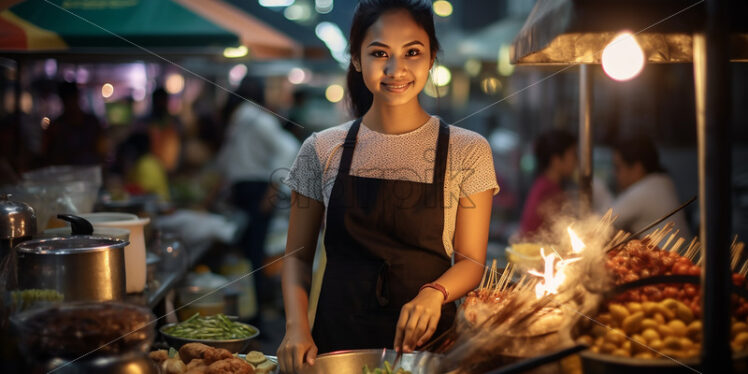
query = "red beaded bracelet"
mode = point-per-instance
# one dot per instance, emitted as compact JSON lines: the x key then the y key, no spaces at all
{"x":437,"y":287}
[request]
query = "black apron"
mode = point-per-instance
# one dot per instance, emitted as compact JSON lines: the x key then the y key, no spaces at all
{"x":384,"y":241}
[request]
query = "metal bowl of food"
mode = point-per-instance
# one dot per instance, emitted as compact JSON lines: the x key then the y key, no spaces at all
{"x":91,"y":329}
{"x":354,"y":361}
{"x":217,"y":331}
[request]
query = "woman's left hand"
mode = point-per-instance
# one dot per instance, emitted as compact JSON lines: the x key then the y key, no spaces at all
{"x":418,"y":319}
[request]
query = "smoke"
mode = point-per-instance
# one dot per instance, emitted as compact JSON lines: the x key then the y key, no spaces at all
{"x":523,"y":321}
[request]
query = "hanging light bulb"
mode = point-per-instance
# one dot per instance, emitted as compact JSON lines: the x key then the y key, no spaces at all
{"x":623,"y":58}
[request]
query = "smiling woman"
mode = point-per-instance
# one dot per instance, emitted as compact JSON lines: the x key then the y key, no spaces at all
{"x":400,"y":193}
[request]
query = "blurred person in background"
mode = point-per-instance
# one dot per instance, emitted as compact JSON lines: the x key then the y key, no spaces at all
{"x":164,"y":130}
{"x":556,"y":157}
{"x":255,"y":155}
{"x":646,"y":191}
{"x":75,"y":137}
{"x":142,"y":171}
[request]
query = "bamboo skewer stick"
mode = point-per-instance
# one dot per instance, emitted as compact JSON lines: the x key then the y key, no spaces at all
{"x":744,"y":269}
{"x":483,"y":280}
{"x":736,"y":250}
{"x":689,"y":251}
{"x":669,"y":240}
{"x":677,"y":245}
{"x":492,"y":276}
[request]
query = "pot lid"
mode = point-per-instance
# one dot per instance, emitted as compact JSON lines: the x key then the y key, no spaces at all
{"x":106,"y":232}
{"x":17,"y":219}
{"x":69,"y":245}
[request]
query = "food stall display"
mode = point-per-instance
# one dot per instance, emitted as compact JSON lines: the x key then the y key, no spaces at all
{"x":664,"y":319}
{"x":617,"y":295}
{"x":708,"y":33}
{"x":197,"y":358}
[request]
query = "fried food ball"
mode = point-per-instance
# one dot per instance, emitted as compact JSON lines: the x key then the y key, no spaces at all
{"x":173,"y":366}
{"x":230,"y":366}
{"x":159,"y":356}
{"x":196,"y":366}
{"x":191,"y":351}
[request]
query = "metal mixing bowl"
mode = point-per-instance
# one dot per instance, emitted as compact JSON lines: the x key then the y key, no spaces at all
{"x":232,"y":345}
{"x":354,"y":360}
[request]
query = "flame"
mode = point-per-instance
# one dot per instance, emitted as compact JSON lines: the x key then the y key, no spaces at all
{"x":553,"y":275}
{"x":577,"y":245}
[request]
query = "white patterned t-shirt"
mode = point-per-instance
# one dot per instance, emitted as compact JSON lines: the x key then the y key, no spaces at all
{"x":409,"y":157}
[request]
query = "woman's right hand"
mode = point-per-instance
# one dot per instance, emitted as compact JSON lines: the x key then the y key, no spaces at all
{"x":296,"y":349}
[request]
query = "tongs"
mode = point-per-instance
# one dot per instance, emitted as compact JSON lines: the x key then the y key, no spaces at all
{"x":398,"y":359}
{"x":435,"y":345}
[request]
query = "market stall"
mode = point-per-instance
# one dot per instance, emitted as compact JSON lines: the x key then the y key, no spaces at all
{"x":139,"y":28}
{"x":709,"y":34}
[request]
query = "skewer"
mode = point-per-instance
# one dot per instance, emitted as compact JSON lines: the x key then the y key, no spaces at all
{"x":692,"y":248}
{"x":677,"y":245}
{"x":492,"y":275}
{"x":744,"y":269}
{"x":606,"y":221}
{"x":653,"y":224}
{"x":736,"y":251}
{"x":483,"y":280}
{"x":505,"y":278}
{"x":501,"y":280}
{"x":669,"y":240}
{"x":658,"y":235}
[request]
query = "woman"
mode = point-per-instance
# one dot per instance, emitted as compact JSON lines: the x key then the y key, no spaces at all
{"x":399,"y":193}
{"x":556,"y":155}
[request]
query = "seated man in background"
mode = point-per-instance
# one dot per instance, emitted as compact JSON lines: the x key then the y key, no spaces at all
{"x":646,"y":191}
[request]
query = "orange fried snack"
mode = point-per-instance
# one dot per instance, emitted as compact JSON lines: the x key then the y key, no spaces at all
{"x":230,"y":366}
{"x":191,"y":351}
{"x":196,"y":366}
{"x":159,"y":356}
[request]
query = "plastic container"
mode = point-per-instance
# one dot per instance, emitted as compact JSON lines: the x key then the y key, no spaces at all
{"x":135,"y":264}
{"x":59,"y":189}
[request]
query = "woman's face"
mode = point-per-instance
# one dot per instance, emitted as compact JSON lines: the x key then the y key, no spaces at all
{"x":625,"y":174}
{"x":569,"y":162}
{"x":395,"y":58}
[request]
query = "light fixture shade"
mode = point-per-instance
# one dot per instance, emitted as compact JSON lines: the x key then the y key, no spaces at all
{"x":565,"y":32}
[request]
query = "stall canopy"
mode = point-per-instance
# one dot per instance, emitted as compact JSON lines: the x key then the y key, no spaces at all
{"x":304,"y":35}
{"x":136,"y":26}
{"x":576,"y":31}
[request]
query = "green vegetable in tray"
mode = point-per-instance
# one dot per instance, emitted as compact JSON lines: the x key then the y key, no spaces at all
{"x":386,"y":370}
{"x":217,"y":327}
{"x":25,"y":299}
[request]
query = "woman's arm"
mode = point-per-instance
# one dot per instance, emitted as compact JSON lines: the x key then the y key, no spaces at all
{"x":303,"y":229}
{"x":419,"y":318}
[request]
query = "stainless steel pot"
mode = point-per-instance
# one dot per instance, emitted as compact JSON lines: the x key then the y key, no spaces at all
{"x":354,"y":360}
{"x":17,"y":223}
{"x":79,"y":267}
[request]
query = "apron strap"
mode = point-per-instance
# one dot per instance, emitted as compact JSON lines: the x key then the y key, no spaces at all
{"x":348,"y":146}
{"x":442,"y":147}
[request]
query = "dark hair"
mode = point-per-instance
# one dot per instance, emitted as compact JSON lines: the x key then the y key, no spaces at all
{"x":252,"y":88}
{"x":552,"y":143}
{"x":366,"y":14}
{"x":130,"y":150}
{"x":639,"y":148}
{"x":67,"y":90}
